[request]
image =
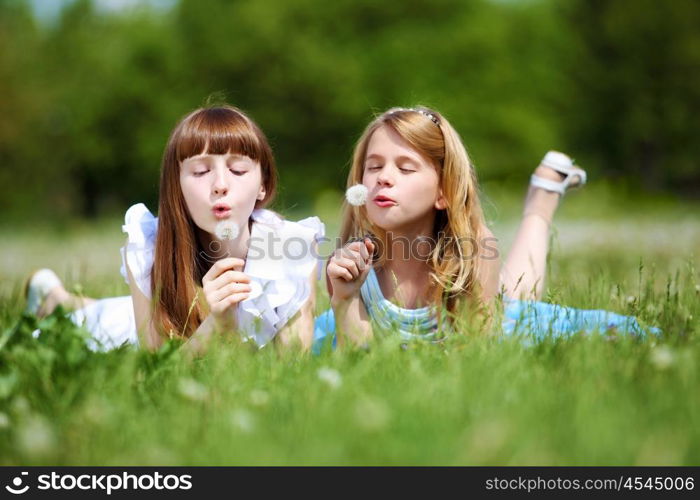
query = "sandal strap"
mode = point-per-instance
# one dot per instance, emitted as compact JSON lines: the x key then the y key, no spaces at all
{"x":561,"y":163}
{"x":549,"y":185}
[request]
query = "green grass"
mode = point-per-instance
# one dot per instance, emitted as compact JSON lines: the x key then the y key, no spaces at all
{"x":472,"y":400}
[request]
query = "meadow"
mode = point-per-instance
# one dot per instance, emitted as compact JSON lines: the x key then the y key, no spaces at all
{"x":472,"y":400}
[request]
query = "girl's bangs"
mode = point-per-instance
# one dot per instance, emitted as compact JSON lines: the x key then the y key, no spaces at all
{"x":219,"y":131}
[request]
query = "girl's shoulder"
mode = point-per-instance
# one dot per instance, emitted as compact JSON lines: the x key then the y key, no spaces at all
{"x":139,"y":222}
{"x":141,"y":227}
{"x":267,"y":220}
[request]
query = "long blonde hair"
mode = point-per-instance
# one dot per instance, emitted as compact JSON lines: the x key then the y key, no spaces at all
{"x":179,"y":264}
{"x":455,"y":267}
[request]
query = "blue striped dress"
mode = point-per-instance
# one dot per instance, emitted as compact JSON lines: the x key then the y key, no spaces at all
{"x":533,"y":320}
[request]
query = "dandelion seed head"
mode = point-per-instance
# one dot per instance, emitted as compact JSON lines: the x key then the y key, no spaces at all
{"x":631,"y":299}
{"x":227,"y":230}
{"x":356,"y":195}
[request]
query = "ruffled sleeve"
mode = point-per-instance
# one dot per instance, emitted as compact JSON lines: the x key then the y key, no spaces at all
{"x":281,"y":258}
{"x":141,"y":227}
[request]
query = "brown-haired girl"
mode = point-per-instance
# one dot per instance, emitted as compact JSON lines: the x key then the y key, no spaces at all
{"x":188,"y":277}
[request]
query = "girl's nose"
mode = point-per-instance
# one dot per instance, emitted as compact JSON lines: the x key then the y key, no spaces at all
{"x":220,"y":187}
{"x":385,"y":177}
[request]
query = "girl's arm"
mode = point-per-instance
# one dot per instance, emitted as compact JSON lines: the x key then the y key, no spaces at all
{"x":149,"y":337}
{"x":299,"y":330}
{"x":488,"y":278}
{"x":490,"y":265}
{"x":224,"y":286}
{"x":347,"y":270}
{"x":352,"y":322}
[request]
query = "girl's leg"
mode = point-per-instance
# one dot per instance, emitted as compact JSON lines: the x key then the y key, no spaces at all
{"x":45,"y":291}
{"x":523,"y":273}
{"x":61,"y":296}
{"x":110,"y":321}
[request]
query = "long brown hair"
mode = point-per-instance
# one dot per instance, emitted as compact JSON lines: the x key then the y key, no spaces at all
{"x":458,"y":227}
{"x":179,"y":262}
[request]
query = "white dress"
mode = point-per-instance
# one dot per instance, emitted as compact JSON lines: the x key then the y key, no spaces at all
{"x":281,"y":257}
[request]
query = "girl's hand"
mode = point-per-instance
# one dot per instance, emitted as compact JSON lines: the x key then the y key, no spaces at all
{"x":225,"y":286}
{"x":348,"y":269}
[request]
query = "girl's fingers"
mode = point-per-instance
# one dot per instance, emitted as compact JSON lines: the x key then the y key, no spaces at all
{"x":350,"y":249}
{"x":237,"y":297}
{"x":369,"y":246}
{"x":334,"y":271}
{"x":348,"y":264}
{"x":223,"y":305}
{"x":234,"y":277}
{"x":364,"y":253}
{"x":229,"y":277}
{"x":221,"y":266}
{"x":230,"y":289}
{"x":354,"y":253}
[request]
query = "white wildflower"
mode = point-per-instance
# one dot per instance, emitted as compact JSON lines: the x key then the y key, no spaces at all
{"x":372,"y":414}
{"x":258,"y":397}
{"x":227,"y":230}
{"x":356,"y":195}
{"x":192,"y":390}
{"x":331,"y":377}
{"x":662,"y":357}
{"x":243,"y":420}
{"x":697,"y":288}
{"x":36,"y":437}
{"x":631,"y":299}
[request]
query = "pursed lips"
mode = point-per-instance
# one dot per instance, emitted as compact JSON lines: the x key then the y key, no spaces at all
{"x":383,"y":201}
{"x":221,"y":210}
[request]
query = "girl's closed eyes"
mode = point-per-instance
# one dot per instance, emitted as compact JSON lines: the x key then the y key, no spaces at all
{"x":217,"y":175}
{"x":237,"y":170}
{"x":404,"y":169}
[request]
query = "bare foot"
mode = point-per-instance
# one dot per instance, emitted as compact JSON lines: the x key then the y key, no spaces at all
{"x":45,"y":292}
{"x":57,"y":296}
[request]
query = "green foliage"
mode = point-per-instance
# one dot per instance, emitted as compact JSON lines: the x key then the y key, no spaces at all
{"x":633,"y":89}
{"x":597,"y":400}
{"x":83,"y":121}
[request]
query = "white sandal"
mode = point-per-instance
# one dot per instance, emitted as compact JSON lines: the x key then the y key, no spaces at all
{"x":562,"y":164}
{"x":38,"y":288}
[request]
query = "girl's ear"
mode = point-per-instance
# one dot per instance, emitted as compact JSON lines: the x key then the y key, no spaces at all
{"x":441,"y":202}
{"x":261,"y":193}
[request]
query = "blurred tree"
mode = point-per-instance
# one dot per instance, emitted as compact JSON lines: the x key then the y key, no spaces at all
{"x":86,"y":102}
{"x":634,"y":91}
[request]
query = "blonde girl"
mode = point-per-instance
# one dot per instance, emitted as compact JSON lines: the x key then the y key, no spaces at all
{"x":418,"y":253}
